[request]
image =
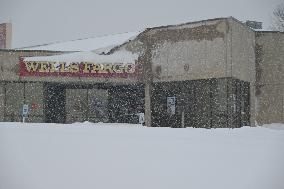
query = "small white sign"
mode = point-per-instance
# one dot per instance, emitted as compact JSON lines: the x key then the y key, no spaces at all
{"x":171,"y":105}
{"x":141,"y":118}
{"x":25,"y":110}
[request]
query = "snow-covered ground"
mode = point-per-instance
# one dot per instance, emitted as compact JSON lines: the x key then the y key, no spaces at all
{"x":124,"y":156}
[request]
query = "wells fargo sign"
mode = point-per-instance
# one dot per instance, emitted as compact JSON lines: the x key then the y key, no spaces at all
{"x":76,"y":69}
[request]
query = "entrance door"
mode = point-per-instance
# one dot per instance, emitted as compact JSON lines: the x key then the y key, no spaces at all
{"x":54,"y":104}
{"x":76,"y":105}
{"x":83,"y":104}
{"x":98,"y":105}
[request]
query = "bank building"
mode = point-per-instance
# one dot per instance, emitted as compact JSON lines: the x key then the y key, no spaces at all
{"x":210,"y":73}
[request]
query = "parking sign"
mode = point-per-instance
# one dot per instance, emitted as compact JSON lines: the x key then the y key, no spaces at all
{"x":25,"y":110}
{"x":171,"y":105}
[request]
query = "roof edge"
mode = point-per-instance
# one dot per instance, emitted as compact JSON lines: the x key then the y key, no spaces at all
{"x":27,"y":50}
{"x":268,"y":31}
{"x":140,"y":33}
{"x":187,"y":23}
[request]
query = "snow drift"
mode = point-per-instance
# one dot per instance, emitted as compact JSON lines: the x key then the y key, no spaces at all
{"x":88,"y":156}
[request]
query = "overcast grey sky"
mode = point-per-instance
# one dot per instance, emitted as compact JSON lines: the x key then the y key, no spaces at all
{"x":43,"y":21}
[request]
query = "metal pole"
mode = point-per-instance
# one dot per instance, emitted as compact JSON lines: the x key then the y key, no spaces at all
{"x":182,"y":119}
{"x":147,"y":115}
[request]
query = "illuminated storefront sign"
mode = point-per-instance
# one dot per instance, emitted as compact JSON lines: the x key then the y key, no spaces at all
{"x":76,"y":69}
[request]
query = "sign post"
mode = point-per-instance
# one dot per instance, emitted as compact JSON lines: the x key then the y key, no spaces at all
{"x":25,"y":112}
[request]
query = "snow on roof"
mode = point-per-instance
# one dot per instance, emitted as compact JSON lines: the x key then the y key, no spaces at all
{"x":122,"y":56}
{"x":102,"y":43}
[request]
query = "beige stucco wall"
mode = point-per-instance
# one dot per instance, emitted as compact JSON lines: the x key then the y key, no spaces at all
{"x":241,"y":53}
{"x":270,"y":77}
{"x":190,"y":60}
{"x":201,"y":54}
{"x":228,"y":52}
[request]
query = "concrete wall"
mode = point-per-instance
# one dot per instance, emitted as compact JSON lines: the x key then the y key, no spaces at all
{"x":241,"y":52}
{"x":270,"y":77}
{"x":192,"y":51}
{"x":208,"y":49}
{"x":221,"y":48}
{"x":241,"y":57}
